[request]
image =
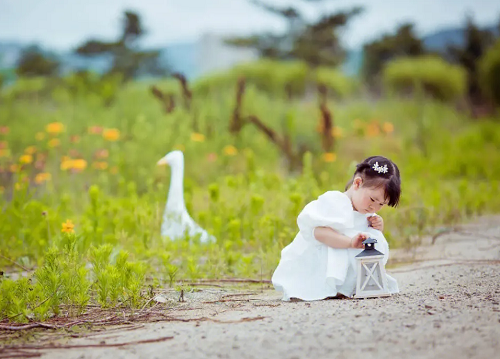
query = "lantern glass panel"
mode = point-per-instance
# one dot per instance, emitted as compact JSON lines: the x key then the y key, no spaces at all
{"x":371,"y":279}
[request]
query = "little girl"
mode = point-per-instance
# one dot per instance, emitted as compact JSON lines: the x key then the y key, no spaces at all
{"x":320,"y":262}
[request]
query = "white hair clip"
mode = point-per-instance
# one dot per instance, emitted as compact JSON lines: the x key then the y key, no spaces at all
{"x":380,"y":169}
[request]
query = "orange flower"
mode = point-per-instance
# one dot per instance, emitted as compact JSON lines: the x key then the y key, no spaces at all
{"x":68,"y":227}
{"x":26,"y":159}
{"x":3,"y":145}
{"x":4,"y":152}
{"x":66,"y":163}
{"x":55,"y":142}
{"x":388,"y":127}
{"x":197,"y":137}
{"x":113,"y":170}
{"x":14,"y":168}
{"x":54,"y":128}
{"x":372,"y":129}
{"x":74,"y":139}
{"x":79,"y":164}
{"x":42,"y":177}
{"x":329,"y":157}
{"x":111,"y":134}
{"x":4,"y":130}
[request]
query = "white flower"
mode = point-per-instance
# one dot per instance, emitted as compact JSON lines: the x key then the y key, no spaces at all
{"x":380,"y":169}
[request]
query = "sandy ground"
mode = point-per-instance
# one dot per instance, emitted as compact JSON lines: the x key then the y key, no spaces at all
{"x":448,"y":308}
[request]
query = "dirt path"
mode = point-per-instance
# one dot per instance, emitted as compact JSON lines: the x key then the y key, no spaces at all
{"x":448,"y":308}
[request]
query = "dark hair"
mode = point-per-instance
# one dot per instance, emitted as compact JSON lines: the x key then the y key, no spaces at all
{"x":388,"y":177}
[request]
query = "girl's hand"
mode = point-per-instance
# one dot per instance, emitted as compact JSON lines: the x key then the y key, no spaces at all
{"x":357,"y":240}
{"x":376,"y":222}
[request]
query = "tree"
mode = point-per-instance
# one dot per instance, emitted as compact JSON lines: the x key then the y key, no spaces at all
{"x":33,"y":62}
{"x":315,"y":43}
{"x":127,"y":59}
{"x":489,"y":73}
{"x":404,"y":43}
{"x":476,"y":43}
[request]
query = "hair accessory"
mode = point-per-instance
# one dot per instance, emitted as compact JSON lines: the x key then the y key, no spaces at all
{"x":380,"y":169}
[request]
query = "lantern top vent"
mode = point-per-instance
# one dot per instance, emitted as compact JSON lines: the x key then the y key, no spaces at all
{"x":370,"y":248}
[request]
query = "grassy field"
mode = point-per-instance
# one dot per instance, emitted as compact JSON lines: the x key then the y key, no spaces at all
{"x":82,"y":198}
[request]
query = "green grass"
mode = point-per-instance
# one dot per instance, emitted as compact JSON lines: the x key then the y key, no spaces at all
{"x":248,"y":200}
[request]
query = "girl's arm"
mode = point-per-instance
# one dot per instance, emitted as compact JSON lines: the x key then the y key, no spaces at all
{"x":335,"y":239}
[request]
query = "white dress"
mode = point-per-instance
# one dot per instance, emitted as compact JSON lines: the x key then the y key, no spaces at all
{"x":309,"y":269}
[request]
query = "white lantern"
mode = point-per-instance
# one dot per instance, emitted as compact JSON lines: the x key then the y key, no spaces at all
{"x":372,"y":280}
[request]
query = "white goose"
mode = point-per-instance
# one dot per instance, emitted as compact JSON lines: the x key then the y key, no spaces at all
{"x":176,"y":220}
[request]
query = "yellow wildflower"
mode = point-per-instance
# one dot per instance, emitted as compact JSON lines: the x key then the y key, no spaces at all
{"x":197,"y":137}
{"x":388,"y":127}
{"x":337,"y":132}
{"x":42,"y":177}
{"x":67,"y":227}
{"x":66,"y":163}
{"x":111,"y":134}
{"x":100,"y":165}
{"x":4,"y":152}
{"x":18,"y":186}
{"x":329,"y":157}
{"x":79,"y":164}
{"x":54,"y":128}
{"x":179,"y":147}
{"x":30,"y":150}
{"x":40,"y":136}
{"x":230,"y":150}
{"x":26,"y":159}
{"x":54,"y":142}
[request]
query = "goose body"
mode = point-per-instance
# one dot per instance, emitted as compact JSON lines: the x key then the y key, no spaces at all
{"x":177,"y":223}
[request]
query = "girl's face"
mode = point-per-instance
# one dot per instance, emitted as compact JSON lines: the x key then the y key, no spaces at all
{"x":366,"y":199}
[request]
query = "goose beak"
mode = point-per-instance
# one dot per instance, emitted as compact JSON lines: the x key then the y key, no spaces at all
{"x":162,"y":162}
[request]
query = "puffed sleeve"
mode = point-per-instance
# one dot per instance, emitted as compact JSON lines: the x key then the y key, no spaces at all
{"x":332,"y":209}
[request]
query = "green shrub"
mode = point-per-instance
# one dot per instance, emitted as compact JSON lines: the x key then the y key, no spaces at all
{"x":335,"y":81}
{"x":489,"y":73}
{"x":436,"y":77}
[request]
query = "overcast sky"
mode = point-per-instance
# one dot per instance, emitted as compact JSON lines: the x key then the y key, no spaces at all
{"x":62,"y":24}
